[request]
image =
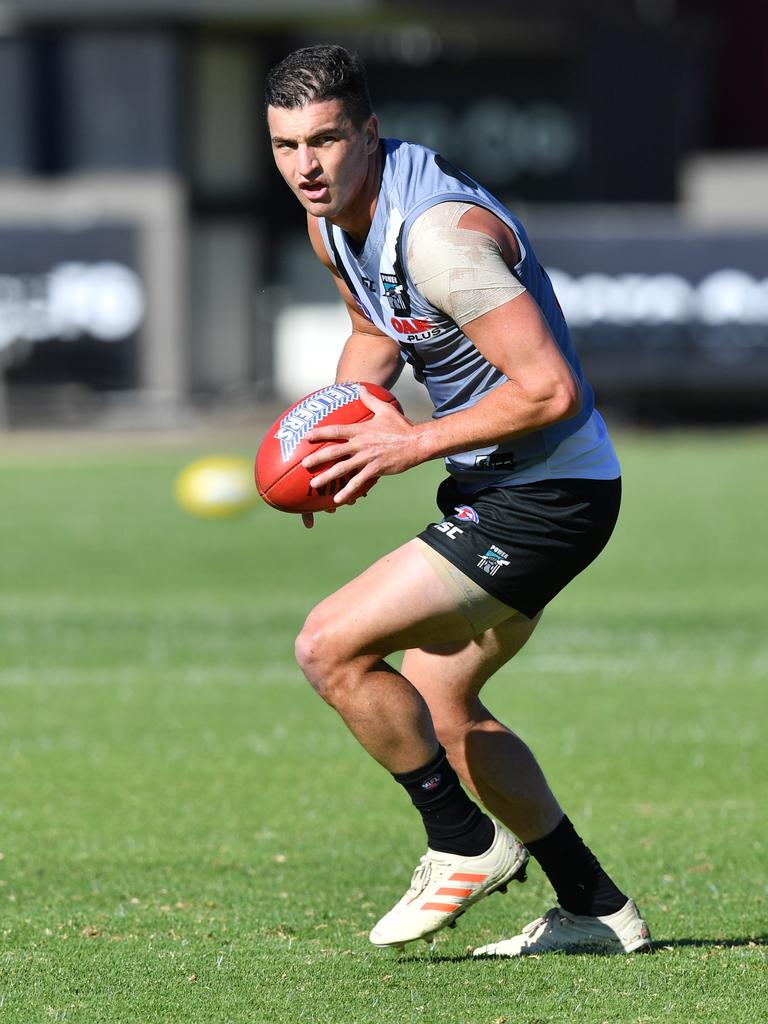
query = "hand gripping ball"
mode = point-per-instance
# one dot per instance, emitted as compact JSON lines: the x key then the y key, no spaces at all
{"x":281,"y":479}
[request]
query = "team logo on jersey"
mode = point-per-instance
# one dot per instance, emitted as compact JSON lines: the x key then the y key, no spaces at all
{"x":395,"y":293}
{"x":466,"y":514}
{"x":307,"y":414}
{"x":493,"y":560}
{"x":414,"y":329}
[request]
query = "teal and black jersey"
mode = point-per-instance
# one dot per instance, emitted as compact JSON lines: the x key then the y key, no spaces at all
{"x":455,"y":373}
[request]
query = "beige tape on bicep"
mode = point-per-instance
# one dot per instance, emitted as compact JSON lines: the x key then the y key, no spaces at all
{"x":459,"y":271}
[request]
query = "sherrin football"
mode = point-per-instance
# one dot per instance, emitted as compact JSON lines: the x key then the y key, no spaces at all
{"x":281,"y":479}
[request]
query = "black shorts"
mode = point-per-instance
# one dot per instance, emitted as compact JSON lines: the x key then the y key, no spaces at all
{"x":523,"y":544}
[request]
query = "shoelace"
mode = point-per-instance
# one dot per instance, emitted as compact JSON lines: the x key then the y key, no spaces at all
{"x":540,"y":925}
{"x":421,"y":876}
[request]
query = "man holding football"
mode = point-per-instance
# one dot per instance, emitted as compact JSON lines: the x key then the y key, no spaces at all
{"x":436,"y":272}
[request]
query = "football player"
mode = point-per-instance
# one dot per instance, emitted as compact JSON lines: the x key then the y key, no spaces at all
{"x":436,"y":272}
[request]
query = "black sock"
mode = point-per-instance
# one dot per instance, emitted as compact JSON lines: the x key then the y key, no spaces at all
{"x":453,"y":822}
{"x":581,"y":885}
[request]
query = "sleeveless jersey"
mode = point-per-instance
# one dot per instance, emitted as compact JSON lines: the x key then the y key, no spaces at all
{"x":455,"y":373}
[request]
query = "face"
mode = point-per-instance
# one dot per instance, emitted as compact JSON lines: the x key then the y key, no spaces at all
{"x":324,"y":159}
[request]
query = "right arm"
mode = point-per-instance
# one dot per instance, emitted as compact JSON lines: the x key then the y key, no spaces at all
{"x":368,"y":354}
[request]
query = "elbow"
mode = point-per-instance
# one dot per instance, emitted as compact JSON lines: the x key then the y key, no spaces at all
{"x":566,"y":400}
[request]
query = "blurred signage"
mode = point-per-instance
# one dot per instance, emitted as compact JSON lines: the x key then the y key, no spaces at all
{"x":666,"y":311}
{"x":514,"y":126}
{"x":726,"y":296}
{"x":71,"y":304}
{"x":549,"y":122}
{"x":498,"y":140}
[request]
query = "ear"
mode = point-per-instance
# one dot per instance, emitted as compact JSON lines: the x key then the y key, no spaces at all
{"x":371,"y":132}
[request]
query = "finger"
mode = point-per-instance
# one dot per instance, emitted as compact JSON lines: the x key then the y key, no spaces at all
{"x":351,"y":491}
{"x":308,"y":519}
{"x":329,"y":453}
{"x":331,"y":432}
{"x":339,"y":469}
{"x":370,"y":401}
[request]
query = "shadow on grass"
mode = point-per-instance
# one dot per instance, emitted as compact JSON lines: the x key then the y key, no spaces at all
{"x":659,"y":946}
{"x":757,"y":940}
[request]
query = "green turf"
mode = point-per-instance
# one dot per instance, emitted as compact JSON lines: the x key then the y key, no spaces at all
{"x":187,"y":834}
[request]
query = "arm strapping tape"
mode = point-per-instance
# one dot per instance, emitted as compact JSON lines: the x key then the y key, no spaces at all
{"x":459,"y":271}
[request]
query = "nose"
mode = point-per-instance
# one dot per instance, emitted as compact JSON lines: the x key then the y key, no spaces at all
{"x":307,"y":162}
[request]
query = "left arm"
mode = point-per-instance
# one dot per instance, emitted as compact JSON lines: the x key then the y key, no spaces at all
{"x":515,"y":338}
{"x":540,"y":390}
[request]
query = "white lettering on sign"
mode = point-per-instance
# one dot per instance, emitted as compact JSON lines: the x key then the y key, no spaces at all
{"x":104,"y":301}
{"x":724,"y":296}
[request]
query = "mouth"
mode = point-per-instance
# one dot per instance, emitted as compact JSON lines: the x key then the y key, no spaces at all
{"x":314,"y":189}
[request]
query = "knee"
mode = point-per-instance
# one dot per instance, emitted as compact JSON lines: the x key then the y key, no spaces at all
{"x":451,"y":732}
{"x":453,"y":727}
{"x":320,"y":653}
{"x":312,"y":647}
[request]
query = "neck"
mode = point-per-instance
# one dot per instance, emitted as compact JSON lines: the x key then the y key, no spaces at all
{"x":356,"y":221}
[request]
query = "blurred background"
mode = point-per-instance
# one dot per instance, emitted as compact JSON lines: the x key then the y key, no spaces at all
{"x":154,"y":269}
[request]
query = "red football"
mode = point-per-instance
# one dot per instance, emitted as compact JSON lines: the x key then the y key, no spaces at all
{"x":280,"y":477}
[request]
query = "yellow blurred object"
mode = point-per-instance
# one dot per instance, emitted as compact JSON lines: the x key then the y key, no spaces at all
{"x":216,"y":487}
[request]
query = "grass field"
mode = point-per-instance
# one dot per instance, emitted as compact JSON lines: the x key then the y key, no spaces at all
{"x":187,"y":834}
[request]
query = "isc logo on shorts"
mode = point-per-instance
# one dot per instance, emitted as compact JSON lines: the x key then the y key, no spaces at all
{"x":449,"y":529}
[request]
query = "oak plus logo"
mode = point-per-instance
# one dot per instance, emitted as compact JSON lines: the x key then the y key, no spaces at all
{"x":414,"y":329}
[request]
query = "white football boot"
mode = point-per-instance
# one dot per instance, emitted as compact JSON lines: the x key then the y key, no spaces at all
{"x":444,"y":885}
{"x":561,"y":932}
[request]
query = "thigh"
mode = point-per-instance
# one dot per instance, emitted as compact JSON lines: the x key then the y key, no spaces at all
{"x":398,"y":603}
{"x":450,"y":676}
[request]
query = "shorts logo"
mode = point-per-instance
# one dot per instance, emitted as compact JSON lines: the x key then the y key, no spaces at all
{"x":307,"y":414}
{"x":448,"y":529}
{"x":493,"y":560}
{"x":431,"y":783}
{"x":466,"y":514}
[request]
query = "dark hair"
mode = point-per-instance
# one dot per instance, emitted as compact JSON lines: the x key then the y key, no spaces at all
{"x":317,"y":73}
